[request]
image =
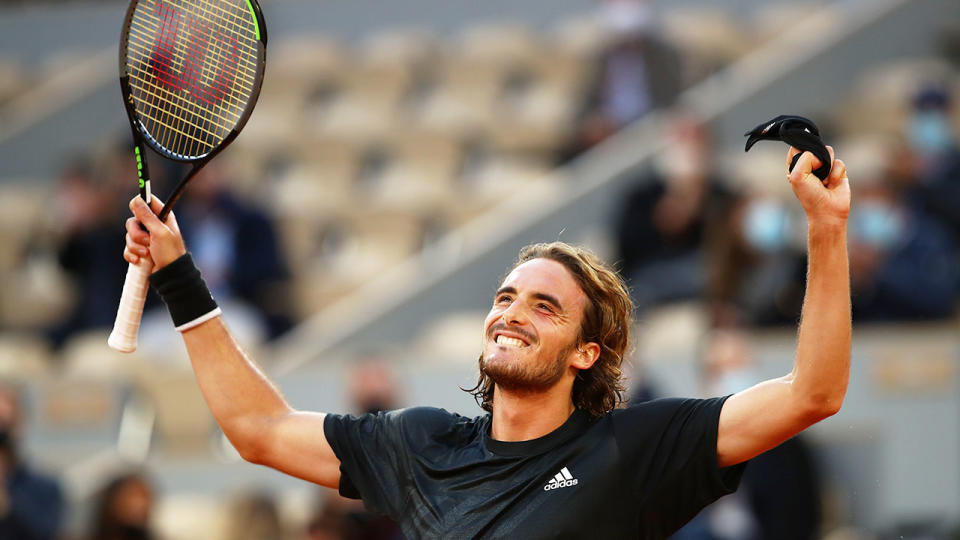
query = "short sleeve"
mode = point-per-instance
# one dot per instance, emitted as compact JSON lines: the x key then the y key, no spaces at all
{"x":672,"y":444}
{"x":372,"y":458}
{"x":379,"y":453}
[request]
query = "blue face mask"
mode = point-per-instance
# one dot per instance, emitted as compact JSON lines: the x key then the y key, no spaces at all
{"x":877,"y":225}
{"x":766,"y":226}
{"x":930,"y":131}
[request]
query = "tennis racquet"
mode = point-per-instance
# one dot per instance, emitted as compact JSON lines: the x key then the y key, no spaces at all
{"x":190,"y":75}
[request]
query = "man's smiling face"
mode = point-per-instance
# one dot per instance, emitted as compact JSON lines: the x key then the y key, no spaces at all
{"x":533,"y":326}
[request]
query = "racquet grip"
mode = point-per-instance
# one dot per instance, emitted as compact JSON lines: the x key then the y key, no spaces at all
{"x":124,"y":335}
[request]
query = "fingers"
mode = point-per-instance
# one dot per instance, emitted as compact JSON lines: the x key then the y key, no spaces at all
{"x":838,"y":174}
{"x":136,"y":233}
{"x":147,"y":216}
{"x":137,"y":248}
{"x":790,"y":153}
{"x":130,"y":257}
{"x":806,"y":165}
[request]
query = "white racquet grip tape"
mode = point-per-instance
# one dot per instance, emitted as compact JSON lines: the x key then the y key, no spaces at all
{"x":124,"y":335}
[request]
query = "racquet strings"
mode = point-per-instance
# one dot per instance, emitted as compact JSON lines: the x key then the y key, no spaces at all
{"x":192,"y":69}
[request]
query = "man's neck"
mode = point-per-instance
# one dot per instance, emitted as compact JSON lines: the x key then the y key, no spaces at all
{"x":525,"y":416}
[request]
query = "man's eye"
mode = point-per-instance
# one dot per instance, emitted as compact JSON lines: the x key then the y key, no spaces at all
{"x":502,"y":299}
{"x":546,"y":307}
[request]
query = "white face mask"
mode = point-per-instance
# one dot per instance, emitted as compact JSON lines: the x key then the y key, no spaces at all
{"x":930,"y":131}
{"x":766,"y":225}
{"x":876,"y":224}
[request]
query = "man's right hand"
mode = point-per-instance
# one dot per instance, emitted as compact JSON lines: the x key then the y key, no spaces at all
{"x":161,"y":242}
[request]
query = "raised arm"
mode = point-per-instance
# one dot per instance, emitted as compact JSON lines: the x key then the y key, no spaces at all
{"x":251,"y":411}
{"x":763,"y":416}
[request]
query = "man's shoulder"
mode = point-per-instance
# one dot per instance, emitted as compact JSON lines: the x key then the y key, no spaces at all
{"x":664,"y":408}
{"x":431,"y":427}
{"x":429,"y":414}
{"x":432,"y":419}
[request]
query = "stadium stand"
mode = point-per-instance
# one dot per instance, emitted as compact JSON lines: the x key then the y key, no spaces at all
{"x":367,"y":153}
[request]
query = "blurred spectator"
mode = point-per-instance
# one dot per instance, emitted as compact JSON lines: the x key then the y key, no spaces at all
{"x":932,"y":157}
{"x":779,"y":495}
{"x":340,"y":518}
{"x":254,"y":516}
{"x":90,"y":223}
{"x":373,"y":386}
{"x":122,"y":510}
{"x":903,"y":264}
{"x":663,"y":225}
{"x":636,"y":73}
{"x":31,"y":504}
{"x":235,"y":246}
{"x":758,"y":266}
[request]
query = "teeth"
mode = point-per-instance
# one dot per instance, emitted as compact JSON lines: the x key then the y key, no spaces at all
{"x":513,"y":342}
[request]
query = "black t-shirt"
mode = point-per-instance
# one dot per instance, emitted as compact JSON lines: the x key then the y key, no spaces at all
{"x":637,"y":472}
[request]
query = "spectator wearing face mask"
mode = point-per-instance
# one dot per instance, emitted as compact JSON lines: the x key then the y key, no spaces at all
{"x":758,"y":266}
{"x":934,"y":157}
{"x":903,"y":263}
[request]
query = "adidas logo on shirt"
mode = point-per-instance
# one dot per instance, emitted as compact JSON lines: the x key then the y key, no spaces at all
{"x":561,"y":480}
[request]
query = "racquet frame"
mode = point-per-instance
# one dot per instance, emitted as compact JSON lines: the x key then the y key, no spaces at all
{"x":124,"y":335}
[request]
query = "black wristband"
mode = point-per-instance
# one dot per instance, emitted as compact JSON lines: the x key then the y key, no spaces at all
{"x":182,"y":288}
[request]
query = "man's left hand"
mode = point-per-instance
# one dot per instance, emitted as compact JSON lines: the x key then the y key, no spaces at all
{"x":826,"y":202}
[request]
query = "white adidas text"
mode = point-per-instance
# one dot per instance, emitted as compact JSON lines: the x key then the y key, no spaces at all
{"x":557,"y":485}
{"x":561,"y":480}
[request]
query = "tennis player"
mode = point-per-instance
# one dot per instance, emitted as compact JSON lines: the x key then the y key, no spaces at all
{"x":554,"y":456}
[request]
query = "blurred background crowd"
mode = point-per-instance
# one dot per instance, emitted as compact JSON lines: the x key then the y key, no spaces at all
{"x":398,"y":158}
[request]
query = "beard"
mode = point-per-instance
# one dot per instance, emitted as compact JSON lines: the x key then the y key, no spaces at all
{"x":521,"y":377}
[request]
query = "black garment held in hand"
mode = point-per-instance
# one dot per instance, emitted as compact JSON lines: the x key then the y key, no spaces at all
{"x":798,"y":132}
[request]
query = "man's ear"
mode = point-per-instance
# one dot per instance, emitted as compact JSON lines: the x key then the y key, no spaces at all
{"x":585,"y":356}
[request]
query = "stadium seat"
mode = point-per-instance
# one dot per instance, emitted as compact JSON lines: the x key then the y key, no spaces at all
{"x":461,"y":101}
{"x":880,"y":99}
{"x":772,"y":20}
{"x":298,"y":65}
{"x":90,"y":406}
{"x":418,"y":178}
{"x":503,"y":44}
{"x":487,"y":179}
{"x":454,"y":338}
{"x":190,"y":515}
{"x":183,"y":421}
{"x":21,"y":211}
{"x":581,"y":36}
{"x":708,"y":39}
{"x":367,"y":103}
{"x":23,"y":356}
{"x":393,"y":47}
{"x":12,"y":78}
{"x":34,"y":296}
{"x":85,"y":356}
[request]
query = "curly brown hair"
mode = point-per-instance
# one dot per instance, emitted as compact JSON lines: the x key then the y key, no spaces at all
{"x":607,"y":320}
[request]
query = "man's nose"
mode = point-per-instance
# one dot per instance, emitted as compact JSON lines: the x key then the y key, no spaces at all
{"x":514,"y":314}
